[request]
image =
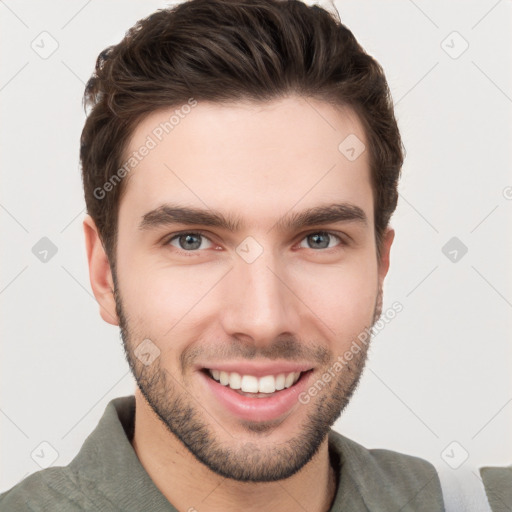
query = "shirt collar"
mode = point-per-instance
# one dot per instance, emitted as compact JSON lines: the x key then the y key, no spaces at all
{"x":109,"y":469}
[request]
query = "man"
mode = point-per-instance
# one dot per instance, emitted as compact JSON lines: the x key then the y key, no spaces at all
{"x":240,"y":166}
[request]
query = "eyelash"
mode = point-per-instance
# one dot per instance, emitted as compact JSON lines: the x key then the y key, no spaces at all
{"x":205,"y":235}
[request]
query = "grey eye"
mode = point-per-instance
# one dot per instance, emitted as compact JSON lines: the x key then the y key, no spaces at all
{"x":320,"y":240}
{"x":188,"y":241}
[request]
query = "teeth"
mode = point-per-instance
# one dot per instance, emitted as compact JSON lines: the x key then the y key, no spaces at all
{"x":235,"y":380}
{"x":251,"y":384}
{"x":280,"y":381}
{"x":267,"y":384}
{"x":289,"y":380}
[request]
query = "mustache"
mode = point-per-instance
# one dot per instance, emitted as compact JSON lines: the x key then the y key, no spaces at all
{"x":286,"y":348}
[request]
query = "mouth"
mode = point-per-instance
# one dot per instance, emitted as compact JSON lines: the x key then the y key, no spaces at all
{"x":256,"y":387}
{"x":254,"y":393}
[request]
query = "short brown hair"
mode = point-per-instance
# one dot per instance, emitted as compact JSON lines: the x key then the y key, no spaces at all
{"x":229,"y":50}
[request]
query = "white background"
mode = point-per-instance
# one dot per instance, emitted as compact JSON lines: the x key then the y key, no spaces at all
{"x":438,"y":373}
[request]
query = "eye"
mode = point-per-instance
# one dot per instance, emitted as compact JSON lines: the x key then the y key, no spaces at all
{"x":322,"y":240}
{"x":189,"y":241}
{"x":194,"y":241}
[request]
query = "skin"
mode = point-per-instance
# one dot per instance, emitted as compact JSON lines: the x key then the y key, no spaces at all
{"x":259,"y":162}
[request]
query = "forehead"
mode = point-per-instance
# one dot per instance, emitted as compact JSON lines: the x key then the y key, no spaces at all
{"x":259,"y":160}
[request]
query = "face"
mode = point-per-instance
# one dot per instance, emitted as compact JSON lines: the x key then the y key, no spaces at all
{"x":246,"y":266}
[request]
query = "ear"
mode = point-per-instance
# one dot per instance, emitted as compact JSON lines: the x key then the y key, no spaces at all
{"x":100,"y":274}
{"x":387,"y":239}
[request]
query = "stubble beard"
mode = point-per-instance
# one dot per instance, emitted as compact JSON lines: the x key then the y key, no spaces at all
{"x":253,"y":460}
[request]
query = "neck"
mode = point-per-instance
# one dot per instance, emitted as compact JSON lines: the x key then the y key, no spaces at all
{"x":190,"y":485}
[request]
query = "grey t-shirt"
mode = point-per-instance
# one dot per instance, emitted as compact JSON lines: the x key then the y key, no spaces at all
{"x":106,"y":476}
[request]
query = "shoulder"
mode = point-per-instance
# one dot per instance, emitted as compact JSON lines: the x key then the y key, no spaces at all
{"x":498,"y":486}
{"x":385,"y":463}
{"x":55,"y":489}
{"x":92,"y":478}
{"x":390,"y":477}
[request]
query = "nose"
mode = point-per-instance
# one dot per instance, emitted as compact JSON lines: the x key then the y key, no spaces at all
{"x":259,"y":301}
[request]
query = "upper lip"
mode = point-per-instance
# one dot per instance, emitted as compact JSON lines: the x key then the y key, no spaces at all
{"x":257,"y":369}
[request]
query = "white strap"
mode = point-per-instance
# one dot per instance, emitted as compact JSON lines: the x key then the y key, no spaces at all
{"x":463,"y":490}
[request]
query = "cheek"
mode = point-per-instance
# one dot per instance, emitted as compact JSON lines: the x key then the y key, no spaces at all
{"x":357,"y":293}
{"x":161,"y":298}
{"x":341,"y":296}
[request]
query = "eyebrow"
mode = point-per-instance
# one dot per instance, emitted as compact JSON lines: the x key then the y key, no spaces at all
{"x":168,"y":214}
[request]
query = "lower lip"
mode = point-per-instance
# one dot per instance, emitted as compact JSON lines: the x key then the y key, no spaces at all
{"x":257,"y":409}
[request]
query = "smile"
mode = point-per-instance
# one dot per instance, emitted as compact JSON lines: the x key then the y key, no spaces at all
{"x":255,"y":392}
{"x":252,"y":384}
